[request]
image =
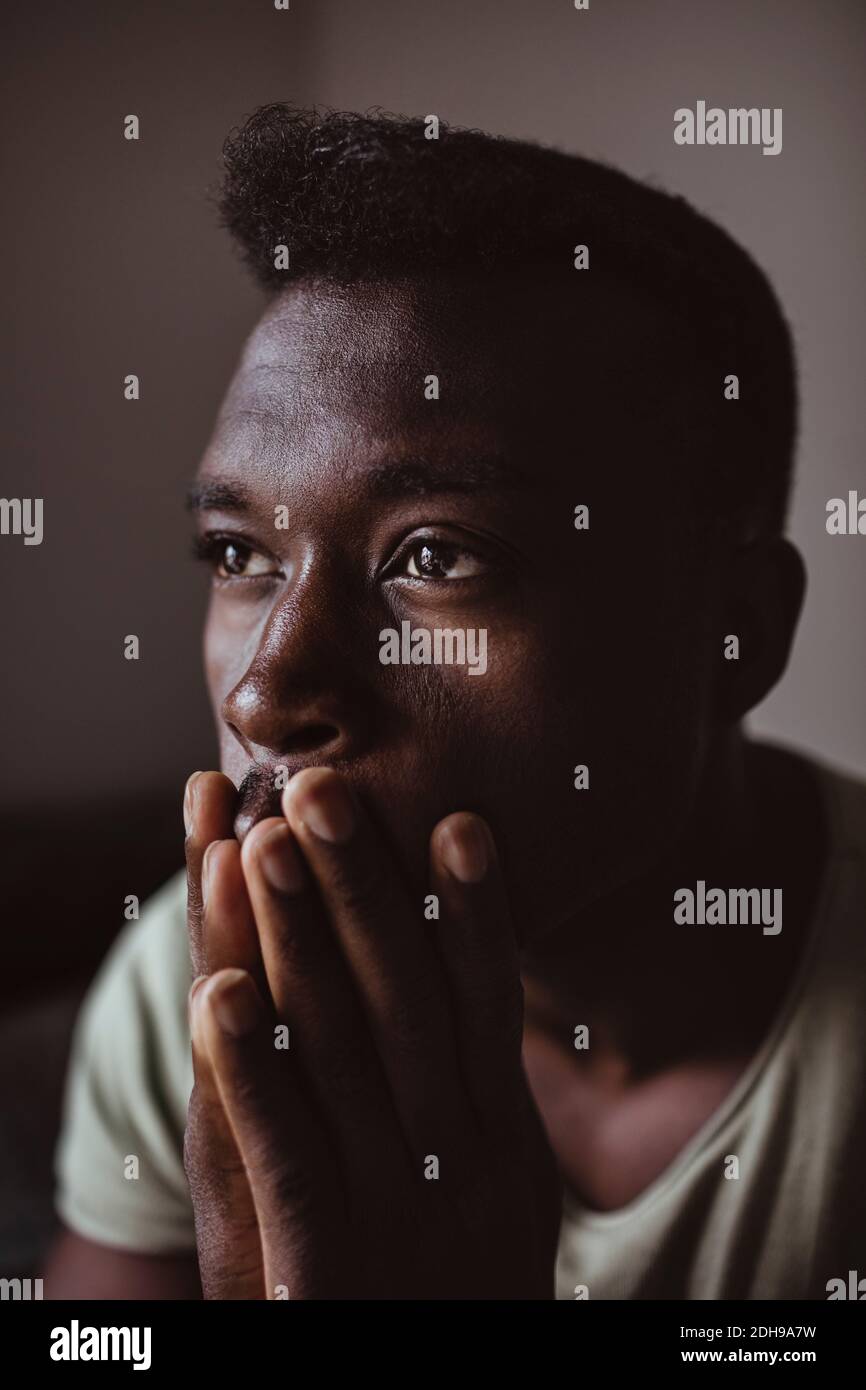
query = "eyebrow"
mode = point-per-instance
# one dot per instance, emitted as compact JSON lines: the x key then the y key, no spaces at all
{"x":202,"y":497}
{"x":387,"y":480}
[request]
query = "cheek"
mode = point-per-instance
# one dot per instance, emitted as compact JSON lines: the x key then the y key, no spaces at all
{"x":598,"y":771}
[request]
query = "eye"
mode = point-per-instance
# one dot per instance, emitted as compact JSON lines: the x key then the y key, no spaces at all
{"x":440,"y":560}
{"x":231,"y":558}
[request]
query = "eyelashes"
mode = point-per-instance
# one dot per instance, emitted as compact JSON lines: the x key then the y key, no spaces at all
{"x":431,"y":559}
{"x":201,"y":548}
{"x":425,"y":559}
{"x":230,"y":557}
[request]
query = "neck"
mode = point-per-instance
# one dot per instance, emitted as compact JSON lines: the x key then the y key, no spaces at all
{"x":654,"y":992}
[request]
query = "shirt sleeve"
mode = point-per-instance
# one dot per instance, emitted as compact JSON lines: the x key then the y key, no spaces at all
{"x":119,"y":1160}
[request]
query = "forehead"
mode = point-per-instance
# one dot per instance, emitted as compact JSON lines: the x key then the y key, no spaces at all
{"x":548,"y":370}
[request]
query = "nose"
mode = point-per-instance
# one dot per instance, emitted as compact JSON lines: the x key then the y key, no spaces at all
{"x":301,"y":694}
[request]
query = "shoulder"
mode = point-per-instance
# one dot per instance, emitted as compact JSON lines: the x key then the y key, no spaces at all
{"x":844,"y":796}
{"x":844,"y":887}
{"x":120,"y":1156}
{"x":827,"y":1035}
{"x":825,"y":1120}
{"x":138,"y":998}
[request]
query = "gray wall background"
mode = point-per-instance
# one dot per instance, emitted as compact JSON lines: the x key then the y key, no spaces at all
{"x":114,"y":264}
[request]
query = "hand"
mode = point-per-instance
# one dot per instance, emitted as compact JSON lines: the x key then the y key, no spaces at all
{"x":393,"y":1150}
{"x":221,"y":934}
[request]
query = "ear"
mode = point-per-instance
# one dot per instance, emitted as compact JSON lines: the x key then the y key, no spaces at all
{"x":760,"y":607}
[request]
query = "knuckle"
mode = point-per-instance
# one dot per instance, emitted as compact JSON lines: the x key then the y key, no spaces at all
{"x":415,"y":1020}
{"x":192,"y":1144}
{"x":194,"y":917}
{"x":344,"y":1066}
{"x":213,"y":1167}
{"x":288,"y":1183}
{"x":306,"y":954}
{"x":246,"y":1095}
{"x":361,"y":888}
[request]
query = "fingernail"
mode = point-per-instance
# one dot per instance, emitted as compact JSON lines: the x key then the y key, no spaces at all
{"x":326,"y":808}
{"x":189,"y":803}
{"x":465,"y":849}
{"x":236,"y":1005}
{"x":280,"y":860}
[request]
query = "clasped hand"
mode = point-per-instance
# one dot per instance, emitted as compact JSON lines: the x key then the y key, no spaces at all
{"x":360,"y":1126}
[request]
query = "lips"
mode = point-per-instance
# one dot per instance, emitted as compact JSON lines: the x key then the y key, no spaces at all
{"x":260,"y":793}
{"x":258,"y":798}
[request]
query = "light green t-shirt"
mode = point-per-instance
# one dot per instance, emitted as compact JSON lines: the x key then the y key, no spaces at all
{"x":794,"y":1218}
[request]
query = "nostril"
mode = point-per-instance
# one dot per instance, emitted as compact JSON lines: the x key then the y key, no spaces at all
{"x":311,"y":736}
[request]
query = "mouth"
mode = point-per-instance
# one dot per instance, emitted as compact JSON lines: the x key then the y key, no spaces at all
{"x":259,"y":796}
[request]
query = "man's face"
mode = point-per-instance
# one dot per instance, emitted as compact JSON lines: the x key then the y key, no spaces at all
{"x":339,"y":497}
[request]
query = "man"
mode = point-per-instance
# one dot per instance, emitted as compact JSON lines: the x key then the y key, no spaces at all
{"x":464,"y":929}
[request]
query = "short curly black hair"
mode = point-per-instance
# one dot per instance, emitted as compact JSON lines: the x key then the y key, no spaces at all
{"x":369,"y":196}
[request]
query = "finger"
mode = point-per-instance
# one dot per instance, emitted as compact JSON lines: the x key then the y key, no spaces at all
{"x":397,"y":974}
{"x":313,"y":990}
{"x":221,"y":933}
{"x":478,"y":946}
{"x":227,"y":1231}
{"x":291,"y":1175}
{"x":208,"y":809}
{"x":228,"y":929}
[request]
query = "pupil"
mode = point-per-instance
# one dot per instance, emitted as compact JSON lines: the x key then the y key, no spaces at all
{"x":232,"y":559}
{"x":431,"y":561}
